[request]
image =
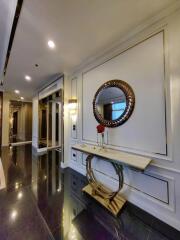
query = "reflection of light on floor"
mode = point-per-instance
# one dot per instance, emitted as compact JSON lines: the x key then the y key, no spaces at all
{"x":20,"y":195}
{"x":13,"y":215}
{"x":72,"y":233}
{"x":2,"y":177}
{"x":16,"y":185}
{"x":63,"y":218}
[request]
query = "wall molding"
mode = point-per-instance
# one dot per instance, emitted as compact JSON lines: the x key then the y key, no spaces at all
{"x":168,"y":169}
{"x":168,"y":130}
{"x":157,"y":21}
{"x":74,"y":95}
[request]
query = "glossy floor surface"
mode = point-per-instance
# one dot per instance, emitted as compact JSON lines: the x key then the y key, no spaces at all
{"x":42,"y":201}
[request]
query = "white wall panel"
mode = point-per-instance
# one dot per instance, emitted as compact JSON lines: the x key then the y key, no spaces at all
{"x":155,"y":186}
{"x":74,"y":96}
{"x":142,"y":66}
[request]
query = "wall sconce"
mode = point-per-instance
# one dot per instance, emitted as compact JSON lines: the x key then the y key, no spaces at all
{"x":72,"y":105}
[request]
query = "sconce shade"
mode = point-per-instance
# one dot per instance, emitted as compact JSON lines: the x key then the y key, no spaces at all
{"x":72,"y":101}
{"x":72,"y":104}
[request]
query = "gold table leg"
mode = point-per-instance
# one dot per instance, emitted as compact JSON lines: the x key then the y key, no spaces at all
{"x":109,"y":199}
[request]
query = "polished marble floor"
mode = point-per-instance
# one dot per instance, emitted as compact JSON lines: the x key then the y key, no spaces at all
{"x":42,"y":201}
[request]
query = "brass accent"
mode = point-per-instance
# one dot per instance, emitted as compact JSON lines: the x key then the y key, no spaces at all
{"x":130,"y":100}
{"x":72,"y":101}
{"x":109,"y":199}
{"x":114,"y":206}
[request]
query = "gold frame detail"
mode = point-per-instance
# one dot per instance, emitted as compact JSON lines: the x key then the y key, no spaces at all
{"x":130,"y":100}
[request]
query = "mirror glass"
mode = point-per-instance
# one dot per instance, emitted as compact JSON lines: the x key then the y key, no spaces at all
{"x":43,"y":110}
{"x":111,"y":103}
{"x":50,"y":124}
{"x":20,"y":124}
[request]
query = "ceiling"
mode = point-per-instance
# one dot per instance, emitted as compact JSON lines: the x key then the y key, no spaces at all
{"x":79,"y":29}
{"x":7,"y":11}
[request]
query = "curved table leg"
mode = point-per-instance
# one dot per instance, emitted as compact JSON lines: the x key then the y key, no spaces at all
{"x":110,"y":199}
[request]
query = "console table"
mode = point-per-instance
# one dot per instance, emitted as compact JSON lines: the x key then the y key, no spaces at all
{"x":109,"y":199}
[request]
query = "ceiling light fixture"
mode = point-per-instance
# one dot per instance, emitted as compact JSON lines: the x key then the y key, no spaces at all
{"x":28,"y":78}
{"x":22,"y":98}
{"x":51,"y":44}
{"x":17,"y":91}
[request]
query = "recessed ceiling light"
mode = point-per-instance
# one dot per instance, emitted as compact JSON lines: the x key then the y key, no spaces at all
{"x":51,"y":44}
{"x":28,"y":78}
{"x":17,"y":91}
{"x":22,"y":98}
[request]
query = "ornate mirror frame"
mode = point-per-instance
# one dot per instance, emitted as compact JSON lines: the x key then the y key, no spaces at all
{"x":130,"y":101}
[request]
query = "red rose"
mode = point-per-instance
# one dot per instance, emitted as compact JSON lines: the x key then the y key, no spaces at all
{"x":100,"y":128}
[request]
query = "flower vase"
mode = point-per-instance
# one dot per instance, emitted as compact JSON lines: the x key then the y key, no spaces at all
{"x":100,"y":131}
{"x":102,"y":140}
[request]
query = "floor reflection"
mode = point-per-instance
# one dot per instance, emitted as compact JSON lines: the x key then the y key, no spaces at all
{"x":48,"y":189}
{"x":43,"y":201}
{"x":17,"y":163}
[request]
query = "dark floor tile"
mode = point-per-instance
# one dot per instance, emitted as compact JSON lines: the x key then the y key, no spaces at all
{"x":17,"y":165}
{"x":55,"y":197}
{"x":3,"y":236}
{"x":51,"y":209}
{"x":57,"y":234}
{"x":133,"y":228}
{"x":89,"y":228}
{"x":139,"y":213}
{"x":10,"y":224}
{"x":30,"y":232}
{"x":18,"y":215}
{"x":165,"y":229}
{"x":20,"y":196}
{"x":153,"y":235}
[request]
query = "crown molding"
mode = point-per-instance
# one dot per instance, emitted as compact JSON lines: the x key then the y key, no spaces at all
{"x":158,"y":21}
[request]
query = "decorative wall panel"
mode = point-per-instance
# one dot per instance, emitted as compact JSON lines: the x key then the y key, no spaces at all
{"x":142,"y":67}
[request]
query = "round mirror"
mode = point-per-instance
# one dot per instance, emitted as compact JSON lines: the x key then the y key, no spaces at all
{"x":113,"y":103}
